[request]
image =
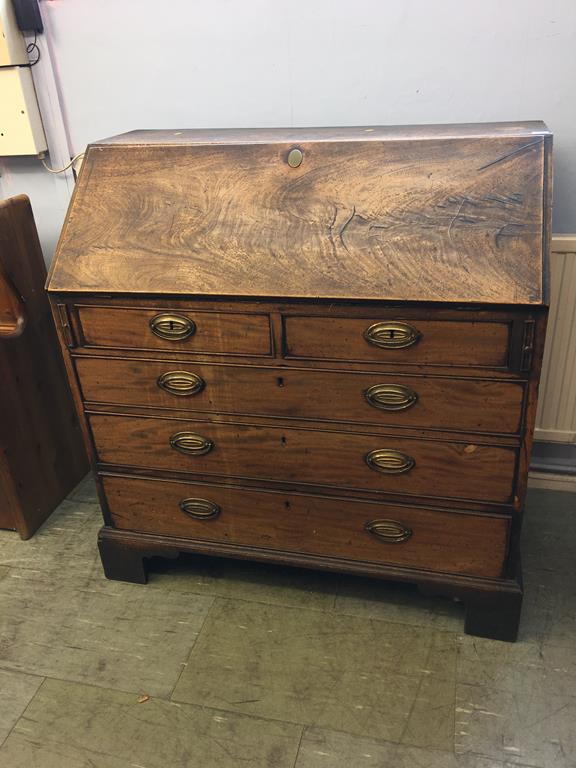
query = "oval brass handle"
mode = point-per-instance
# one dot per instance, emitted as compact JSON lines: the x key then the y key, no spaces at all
{"x":200,"y":509}
{"x":392,"y":335}
{"x":391,"y":397}
{"x":389,"y":461}
{"x":390,"y":531}
{"x":181,"y":383}
{"x":191,"y":444}
{"x":172,"y":327}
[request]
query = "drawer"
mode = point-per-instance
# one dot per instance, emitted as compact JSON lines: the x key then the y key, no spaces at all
{"x":176,"y":330}
{"x":410,"y":401}
{"x":414,"y":342}
{"x":405,"y":536}
{"x":419,"y":467}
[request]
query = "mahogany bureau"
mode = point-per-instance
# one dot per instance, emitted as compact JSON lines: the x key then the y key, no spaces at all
{"x":317,"y":347}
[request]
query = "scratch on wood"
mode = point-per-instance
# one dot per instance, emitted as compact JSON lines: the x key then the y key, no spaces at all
{"x":331,"y":230}
{"x":514,"y":199}
{"x":455,"y":217}
{"x":514,"y":152}
{"x":345,"y":225}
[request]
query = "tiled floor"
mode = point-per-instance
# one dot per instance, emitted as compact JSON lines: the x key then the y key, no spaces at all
{"x":218,"y":664}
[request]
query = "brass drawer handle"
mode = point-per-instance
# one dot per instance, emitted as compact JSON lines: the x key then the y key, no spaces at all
{"x":200,"y":509}
{"x":172,"y":327}
{"x":392,"y":335}
{"x":191,"y":444}
{"x":391,"y":397}
{"x":181,"y":383}
{"x":389,"y":462}
{"x":390,"y":531}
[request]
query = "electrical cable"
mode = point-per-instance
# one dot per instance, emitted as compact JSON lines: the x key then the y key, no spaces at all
{"x":65,"y":168}
{"x":30,"y":48}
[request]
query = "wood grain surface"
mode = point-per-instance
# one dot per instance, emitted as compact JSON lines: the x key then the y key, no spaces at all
{"x":440,"y":541}
{"x":41,"y":452}
{"x":216,"y":332}
{"x":441,"y":343}
{"x":309,"y":456}
{"x":462,"y":404}
{"x":414,"y":217}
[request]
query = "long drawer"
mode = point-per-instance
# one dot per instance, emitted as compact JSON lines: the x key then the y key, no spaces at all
{"x":412,"y":401}
{"x":422,"y":467}
{"x":397,"y":535}
{"x":428,"y":342}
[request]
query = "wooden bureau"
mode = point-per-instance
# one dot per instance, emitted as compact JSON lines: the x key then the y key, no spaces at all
{"x":318,"y":347}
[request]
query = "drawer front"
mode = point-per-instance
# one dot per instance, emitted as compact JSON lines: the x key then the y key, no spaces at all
{"x":376,"y":463}
{"x":176,"y":330}
{"x":414,"y":342}
{"x":404,"y":536}
{"x":460,"y":404}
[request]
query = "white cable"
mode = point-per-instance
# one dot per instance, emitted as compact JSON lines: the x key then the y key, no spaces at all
{"x":61,"y":170}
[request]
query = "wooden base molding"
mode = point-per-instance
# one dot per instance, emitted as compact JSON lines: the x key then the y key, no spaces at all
{"x":492,"y":607}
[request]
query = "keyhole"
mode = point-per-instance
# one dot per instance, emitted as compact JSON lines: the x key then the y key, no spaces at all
{"x":280,"y":381}
{"x":283,"y":440}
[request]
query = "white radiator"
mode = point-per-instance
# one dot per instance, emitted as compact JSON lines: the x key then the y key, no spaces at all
{"x":556,"y":415}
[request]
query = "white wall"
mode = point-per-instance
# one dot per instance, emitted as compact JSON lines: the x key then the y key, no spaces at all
{"x":187,"y":63}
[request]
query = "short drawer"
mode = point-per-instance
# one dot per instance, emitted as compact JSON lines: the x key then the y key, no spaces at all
{"x":405,"y":536}
{"x":468,"y":405}
{"x":418,"y":467}
{"x":418,"y":342}
{"x":176,"y":330}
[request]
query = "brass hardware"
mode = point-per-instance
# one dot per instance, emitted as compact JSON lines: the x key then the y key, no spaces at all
{"x":390,"y":531}
{"x":200,"y":509}
{"x":172,"y":327}
{"x":389,"y":461}
{"x":527,"y":345}
{"x":392,"y":335}
{"x":391,"y":397}
{"x":181,"y":383}
{"x":191,"y":444}
{"x":295,"y":157}
{"x":64,"y":314}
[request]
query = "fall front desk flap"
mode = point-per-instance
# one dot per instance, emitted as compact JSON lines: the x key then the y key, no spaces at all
{"x":430,"y":213}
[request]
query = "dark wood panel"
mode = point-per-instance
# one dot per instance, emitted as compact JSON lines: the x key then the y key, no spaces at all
{"x":417,"y":219}
{"x":439,"y":541}
{"x":442,"y":403}
{"x":41,"y":452}
{"x":215,"y":332}
{"x":438,"y":343}
{"x":313,"y":456}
